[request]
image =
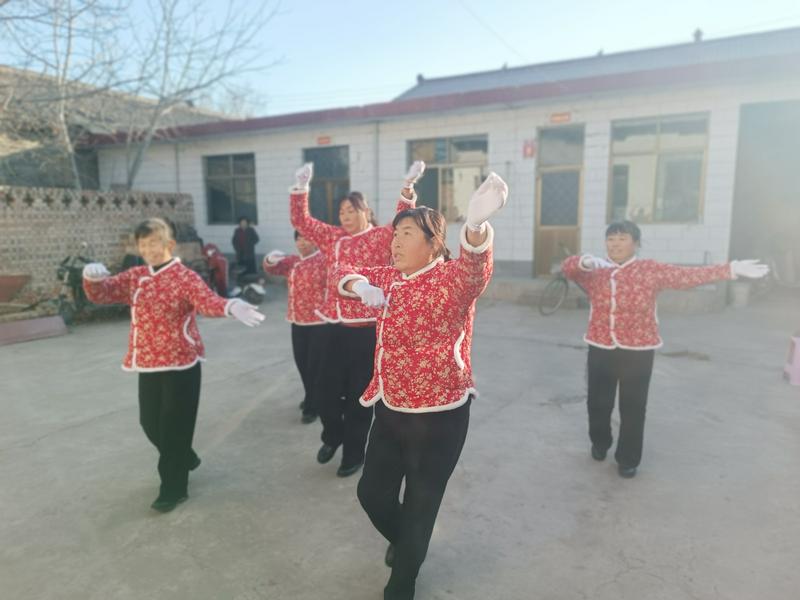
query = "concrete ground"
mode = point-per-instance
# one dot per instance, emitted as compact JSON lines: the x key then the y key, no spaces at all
{"x":712,"y":514}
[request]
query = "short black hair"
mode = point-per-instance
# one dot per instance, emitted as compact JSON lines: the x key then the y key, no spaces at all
{"x":297,"y":234}
{"x":243,"y":218}
{"x":623,"y":227}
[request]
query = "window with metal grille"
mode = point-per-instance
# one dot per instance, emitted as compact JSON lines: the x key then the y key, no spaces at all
{"x":230,"y":182}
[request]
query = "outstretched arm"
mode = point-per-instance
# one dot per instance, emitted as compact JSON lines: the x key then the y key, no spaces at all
{"x":680,"y":278}
{"x":278,"y":263}
{"x":102,"y":288}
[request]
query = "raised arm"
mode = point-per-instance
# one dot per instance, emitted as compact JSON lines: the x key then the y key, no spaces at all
{"x":322,"y":234}
{"x":102,"y":288}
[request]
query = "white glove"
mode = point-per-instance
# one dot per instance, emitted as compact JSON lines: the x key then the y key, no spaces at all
{"x":275,"y":256}
{"x":95,"y":271}
{"x":749,"y":268}
{"x":593,"y":262}
{"x":486,"y":200}
{"x":246,"y":313}
{"x":415,"y":171}
{"x":303,"y":177}
{"x":370,"y":295}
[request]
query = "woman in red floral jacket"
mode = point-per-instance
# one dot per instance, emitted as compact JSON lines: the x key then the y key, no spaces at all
{"x":350,"y":344}
{"x":623,"y":332}
{"x":164,"y":346}
{"x":422,"y":383}
{"x":306,"y":275}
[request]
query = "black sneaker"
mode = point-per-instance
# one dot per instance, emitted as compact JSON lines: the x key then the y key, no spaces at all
{"x":164,"y":505}
{"x":308,"y":418}
{"x":343,"y":471}
{"x":325,"y":453}
{"x":195,"y":463}
{"x":598,"y":454}
{"x":626,"y":472}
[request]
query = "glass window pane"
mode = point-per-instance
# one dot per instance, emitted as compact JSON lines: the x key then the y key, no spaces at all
{"x":244,"y":164}
{"x":561,"y":146}
{"x":560,"y":198}
{"x":678,"y":190}
{"x":248,"y":209}
{"x":464,"y":181}
{"x":422,"y":150}
{"x":633,"y":186}
{"x":218,"y":166}
{"x":332,"y":162}
{"x":687,"y":133}
{"x":469,"y":150}
{"x":428,"y":188}
{"x":220,"y":201}
{"x":634,"y":136}
{"x":245,"y":187}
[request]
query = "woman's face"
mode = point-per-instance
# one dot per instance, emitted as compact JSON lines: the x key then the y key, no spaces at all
{"x":352,"y":219}
{"x":621,"y":247}
{"x":411,"y":250}
{"x":155,"y":250}
{"x":304,"y":246}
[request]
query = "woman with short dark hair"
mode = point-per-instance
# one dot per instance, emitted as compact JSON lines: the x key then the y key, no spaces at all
{"x":422,"y":383}
{"x":623,"y":332}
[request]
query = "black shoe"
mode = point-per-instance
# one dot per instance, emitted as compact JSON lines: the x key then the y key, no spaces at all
{"x":598,"y":454}
{"x":626,"y":472}
{"x":325,"y":453}
{"x":164,"y":505}
{"x":195,"y":463}
{"x":389,"y":558}
{"x":302,"y":405}
{"x":343,"y":471}
{"x":308,"y":418}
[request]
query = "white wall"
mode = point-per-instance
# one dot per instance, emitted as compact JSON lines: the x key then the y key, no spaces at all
{"x":278,"y":153}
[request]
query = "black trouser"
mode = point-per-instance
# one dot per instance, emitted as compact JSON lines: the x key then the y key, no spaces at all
{"x":345,"y":373}
{"x":631,"y":370}
{"x":168,"y":412}
{"x":307,"y":348}
{"x":423,"y":448}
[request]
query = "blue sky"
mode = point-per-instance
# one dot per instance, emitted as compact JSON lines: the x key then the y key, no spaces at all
{"x":357,"y":52}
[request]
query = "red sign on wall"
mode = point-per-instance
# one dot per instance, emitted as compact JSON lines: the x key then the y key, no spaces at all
{"x":562,"y":117}
{"x":323,"y":140}
{"x":529,"y":149}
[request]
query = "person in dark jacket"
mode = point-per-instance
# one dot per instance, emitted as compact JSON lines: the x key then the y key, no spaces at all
{"x":244,"y":242}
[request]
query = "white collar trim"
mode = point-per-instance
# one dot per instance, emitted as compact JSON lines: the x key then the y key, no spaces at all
{"x":625,"y":264}
{"x":174,"y":261}
{"x":437,"y":261}
{"x":312,"y":255}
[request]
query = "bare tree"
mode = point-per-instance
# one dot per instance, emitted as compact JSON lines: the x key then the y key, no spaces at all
{"x":67,"y":47}
{"x":188,"y":54}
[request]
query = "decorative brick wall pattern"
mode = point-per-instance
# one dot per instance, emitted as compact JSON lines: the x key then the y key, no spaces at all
{"x":41,"y":226}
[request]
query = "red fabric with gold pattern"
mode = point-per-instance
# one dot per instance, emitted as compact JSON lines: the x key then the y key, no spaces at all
{"x":424,"y":333}
{"x":623,"y":299}
{"x":370,"y":248}
{"x":163,"y":334}
{"x":306,"y":279}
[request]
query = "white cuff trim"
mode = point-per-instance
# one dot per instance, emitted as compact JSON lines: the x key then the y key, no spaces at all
{"x":95,"y":279}
{"x":479,"y":249}
{"x":411,"y":201}
{"x":295,"y":191}
{"x":580,"y":263}
{"x":228,"y":305}
{"x":344,"y":280}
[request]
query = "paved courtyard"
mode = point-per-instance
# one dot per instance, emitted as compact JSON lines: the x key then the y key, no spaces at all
{"x":713,"y":514}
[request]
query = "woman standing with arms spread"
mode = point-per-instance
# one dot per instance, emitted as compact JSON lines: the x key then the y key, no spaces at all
{"x":349,"y":350}
{"x":623,"y":332}
{"x":422,"y":383}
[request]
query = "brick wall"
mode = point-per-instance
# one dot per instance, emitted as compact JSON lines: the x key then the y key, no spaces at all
{"x":41,"y":226}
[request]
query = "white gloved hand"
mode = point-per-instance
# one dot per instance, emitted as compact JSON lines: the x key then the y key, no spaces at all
{"x":749,"y":268}
{"x":303,"y":177}
{"x":275,"y":256}
{"x":246,"y":313}
{"x":590,"y":262}
{"x":486,"y":200}
{"x":415,"y":171}
{"x":370,"y":295}
{"x":95,"y":271}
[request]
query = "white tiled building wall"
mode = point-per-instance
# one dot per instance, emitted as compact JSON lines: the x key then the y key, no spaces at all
{"x":378,"y":162}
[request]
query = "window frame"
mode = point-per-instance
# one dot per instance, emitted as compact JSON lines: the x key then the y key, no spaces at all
{"x":659,"y":153}
{"x":231,"y":179}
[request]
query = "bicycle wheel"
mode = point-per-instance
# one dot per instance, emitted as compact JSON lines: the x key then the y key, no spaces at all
{"x":553,"y":296}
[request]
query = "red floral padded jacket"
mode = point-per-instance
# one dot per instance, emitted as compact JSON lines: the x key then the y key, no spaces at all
{"x":623,"y":299}
{"x":306,"y":282}
{"x":164,"y":334}
{"x":424,"y":332}
{"x":369,"y":248}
